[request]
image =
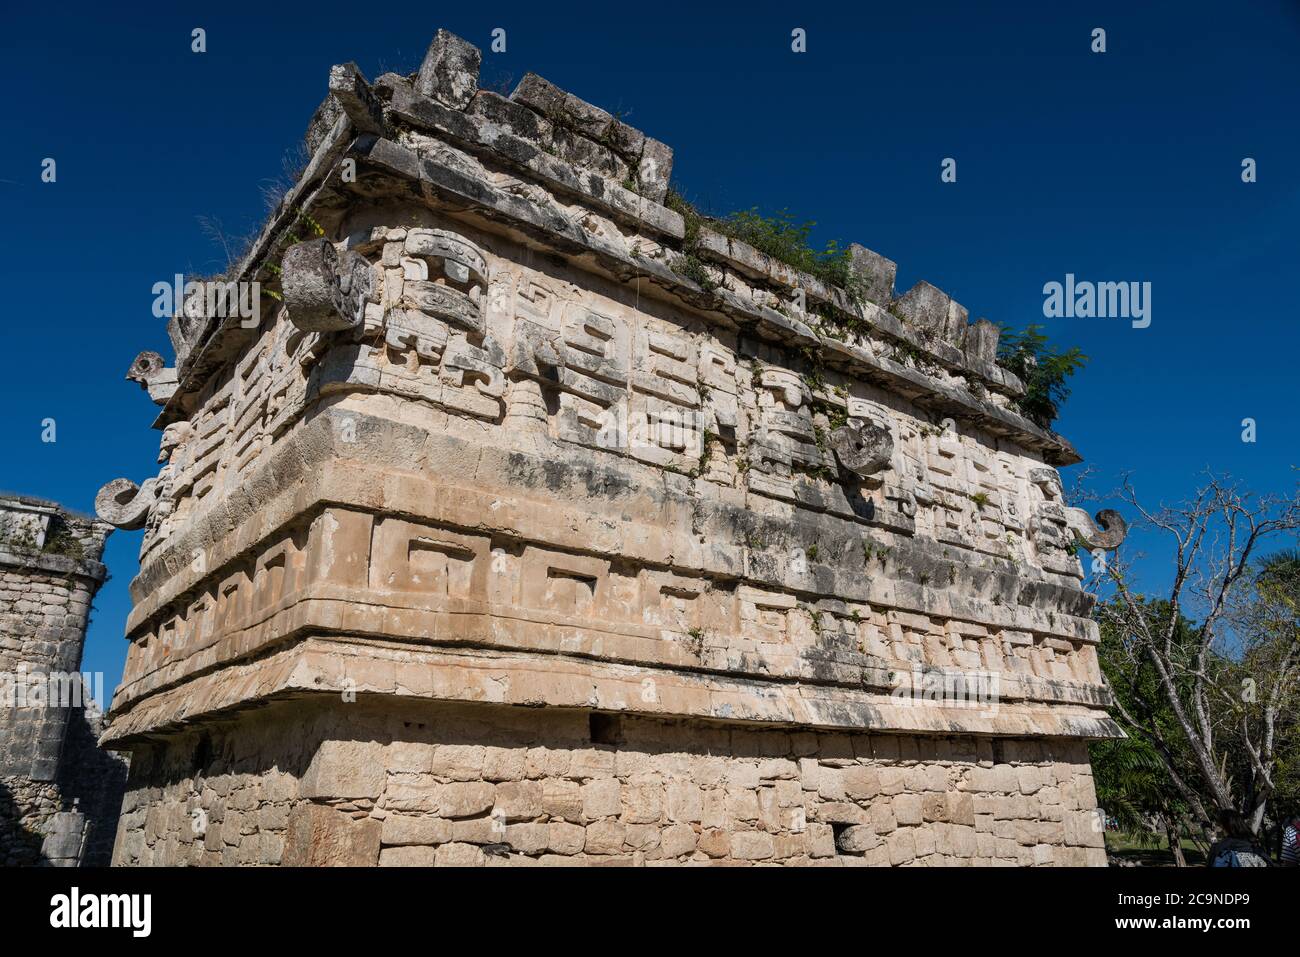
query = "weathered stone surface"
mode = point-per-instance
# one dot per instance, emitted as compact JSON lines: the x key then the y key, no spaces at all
{"x":149,"y":369}
{"x":61,"y":792}
{"x":126,"y":505}
{"x":477,"y":553}
{"x":345,"y":769}
{"x":926,"y":307}
{"x":982,"y":341}
{"x":323,"y":291}
{"x":320,"y":836}
{"x":874,"y":272}
{"x":863,"y":447}
{"x":561,"y":107}
{"x":655,"y":169}
{"x":356,"y":99}
{"x":1107,"y":532}
{"x":449,"y":72}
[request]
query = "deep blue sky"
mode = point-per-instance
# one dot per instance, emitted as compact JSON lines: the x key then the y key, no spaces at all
{"x":1119,"y":166}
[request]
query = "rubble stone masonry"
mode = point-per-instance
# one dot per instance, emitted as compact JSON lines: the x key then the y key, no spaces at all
{"x":408,"y":784}
{"x":59,"y":792}
{"x":535,"y":523}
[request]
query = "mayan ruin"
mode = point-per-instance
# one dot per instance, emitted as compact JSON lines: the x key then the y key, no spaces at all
{"x":59,"y":792}
{"x":532,"y":521}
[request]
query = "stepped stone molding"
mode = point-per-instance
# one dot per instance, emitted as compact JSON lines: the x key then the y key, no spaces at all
{"x":488,"y":450}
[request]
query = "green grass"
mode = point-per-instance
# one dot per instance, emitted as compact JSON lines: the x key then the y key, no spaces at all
{"x":1131,"y":848}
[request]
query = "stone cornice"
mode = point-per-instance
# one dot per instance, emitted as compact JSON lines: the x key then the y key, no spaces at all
{"x":338,"y":666}
{"x":364,"y":132}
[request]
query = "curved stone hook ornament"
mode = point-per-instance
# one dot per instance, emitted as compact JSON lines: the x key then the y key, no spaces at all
{"x":125,"y":505}
{"x":1106,"y":533}
{"x":323,"y":291}
{"x":863,"y":447}
{"x":150,"y":370}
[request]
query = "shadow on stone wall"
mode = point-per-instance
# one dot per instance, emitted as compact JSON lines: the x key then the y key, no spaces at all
{"x":96,"y":780}
{"x":19,"y":845}
{"x":73,"y":817}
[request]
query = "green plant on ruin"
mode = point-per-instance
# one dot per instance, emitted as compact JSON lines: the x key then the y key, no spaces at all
{"x":980,"y":499}
{"x":316,"y":228}
{"x":780,"y":236}
{"x":689,"y":265}
{"x":813,"y":378}
{"x":59,"y":540}
{"x":822,"y":472}
{"x":783,"y":238}
{"x":1044,"y":371}
{"x":836,"y":415}
{"x":19,"y":540}
{"x":910,"y":355}
{"x":812,"y":552}
{"x":831,"y":323}
{"x":871,"y":550}
{"x":706,"y":453}
{"x":691,"y":217}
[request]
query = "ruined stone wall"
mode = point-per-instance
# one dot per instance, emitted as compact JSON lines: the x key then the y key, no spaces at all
{"x":58,"y":791}
{"x":512,"y":432}
{"x":374,"y":783}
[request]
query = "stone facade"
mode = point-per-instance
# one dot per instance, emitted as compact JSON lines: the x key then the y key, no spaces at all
{"x":532,"y":521}
{"x":400,"y":783}
{"x":59,"y":792}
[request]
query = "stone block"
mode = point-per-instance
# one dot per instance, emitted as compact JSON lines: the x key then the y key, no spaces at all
{"x":449,"y":73}
{"x":874,"y":272}
{"x":752,"y":845}
{"x":345,"y":769}
{"x":407,"y":856}
{"x":319,"y":836}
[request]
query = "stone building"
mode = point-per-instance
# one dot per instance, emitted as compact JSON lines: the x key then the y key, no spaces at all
{"x":535,"y":521}
{"x":59,"y":792}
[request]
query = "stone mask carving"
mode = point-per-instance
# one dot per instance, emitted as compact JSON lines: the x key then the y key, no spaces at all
{"x":863,"y":447}
{"x":323,"y":291}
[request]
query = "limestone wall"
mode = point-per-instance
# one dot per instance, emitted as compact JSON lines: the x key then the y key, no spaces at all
{"x":511,"y":431}
{"x":483,"y":785}
{"x":58,"y":791}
